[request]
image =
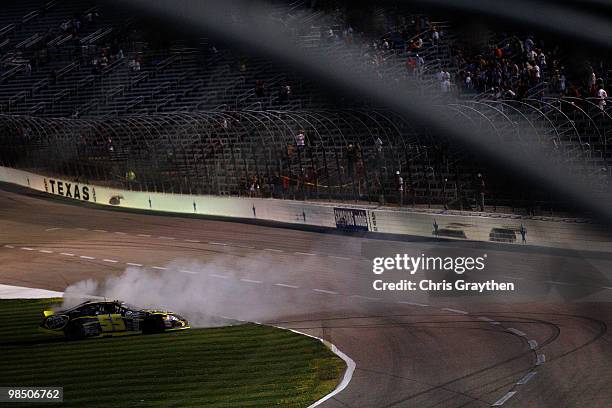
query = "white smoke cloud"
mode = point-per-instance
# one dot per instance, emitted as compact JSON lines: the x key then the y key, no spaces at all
{"x":212,"y":289}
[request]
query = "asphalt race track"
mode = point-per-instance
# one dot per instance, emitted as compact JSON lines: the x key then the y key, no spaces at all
{"x":545,"y":345}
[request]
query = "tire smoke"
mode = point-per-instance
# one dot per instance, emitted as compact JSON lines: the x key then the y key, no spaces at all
{"x":207,"y":294}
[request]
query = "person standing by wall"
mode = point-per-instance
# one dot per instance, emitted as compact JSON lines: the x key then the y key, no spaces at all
{"x":481,"y":187}
{"x":400,"y":188}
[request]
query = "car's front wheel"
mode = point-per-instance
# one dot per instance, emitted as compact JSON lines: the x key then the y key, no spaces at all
{"x":154,"y":324}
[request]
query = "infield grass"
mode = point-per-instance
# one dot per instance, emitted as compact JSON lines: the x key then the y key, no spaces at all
{"x":238,"y":366}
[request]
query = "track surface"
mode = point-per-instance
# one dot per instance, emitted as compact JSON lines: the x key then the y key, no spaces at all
{"x":411,"y":350}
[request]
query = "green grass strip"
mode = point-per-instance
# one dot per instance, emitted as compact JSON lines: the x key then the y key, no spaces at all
{"x":239,"y":366}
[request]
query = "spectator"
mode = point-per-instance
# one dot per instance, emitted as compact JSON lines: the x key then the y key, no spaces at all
{"x":445,"y":83}
{"x":95,"y":67}
{"x":602,"y":95}
{"x":440,"y":75}
{"x":351,"y":156}
{"x":536,"y":73}
{"x":411,"y":65}
{"x":110,"y":146}
{"x":420,"y":66}
{"x":529,"y":45}
{"x":300,"y":140}
{"x":481,"y":187}
{"x":285,"y":91}
{"x":277,"y":186}
{"x":562,"y":84}
{"x":254,"y":189}
{"x":592,"y":81}
{"x":468,"y":85}
{"x":399,"y":182}
{"x":435,"y":36}
{"x":542,"y":59}
{"x":28,"y":69}
{"x":293,"y":185}
{"x":378,"y":144}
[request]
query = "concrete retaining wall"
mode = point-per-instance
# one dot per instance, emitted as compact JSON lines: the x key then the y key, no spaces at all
{"x":541,"y":231}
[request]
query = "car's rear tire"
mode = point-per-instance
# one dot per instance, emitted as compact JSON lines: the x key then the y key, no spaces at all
{"x":74,"y":331}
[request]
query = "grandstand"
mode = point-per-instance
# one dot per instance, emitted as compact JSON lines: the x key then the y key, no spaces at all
{"x":91,"y":93}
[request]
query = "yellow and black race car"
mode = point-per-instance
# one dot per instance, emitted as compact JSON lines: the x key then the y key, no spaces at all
{"x":103,"y":319}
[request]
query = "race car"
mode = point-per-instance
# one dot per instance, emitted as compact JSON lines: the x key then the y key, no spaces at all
{"x":109,"y":318}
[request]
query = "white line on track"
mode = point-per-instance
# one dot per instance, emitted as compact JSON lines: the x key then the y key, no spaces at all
{"x":189,"y":272}
{"x":133,"y":264}
{"x":81,"y":229}
{"x":327,"y":292}
{"x":343,"y":258}
{"x":273,"y":250}
{"x":159,"y":268}
{"x":463,"y":312}
{"x":243,"y":246}
{"x":217,"y":243}
{"x":99,"y":230}
{"x":559,"y":283}
{"x":251,"y":281}
{"x":533,"y":344}
{"x":120,"y":233}
{"x":516,"y":331}
{"x":52,"y":229}
{"x":144,"y":235}
{"x":214,"y":275}
{"x":27,"y":248}
{"x":66,"y":254}
{"x":366,"y":297}
{"x":195,"y":241}
{"x":541,"y":359}
{"x":9,"y":246}
{"x":86,"y":257}
{"x":605,"y":287}
{"x":503,"y":399}
{"x":284,"y":285}
{"x":305,"y":253}
{"x":168,"y":238}
{"x":526,"y":378}
{"x":110,"y":260}
{"x":45,"y":251}
{"x":412,"y":303}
